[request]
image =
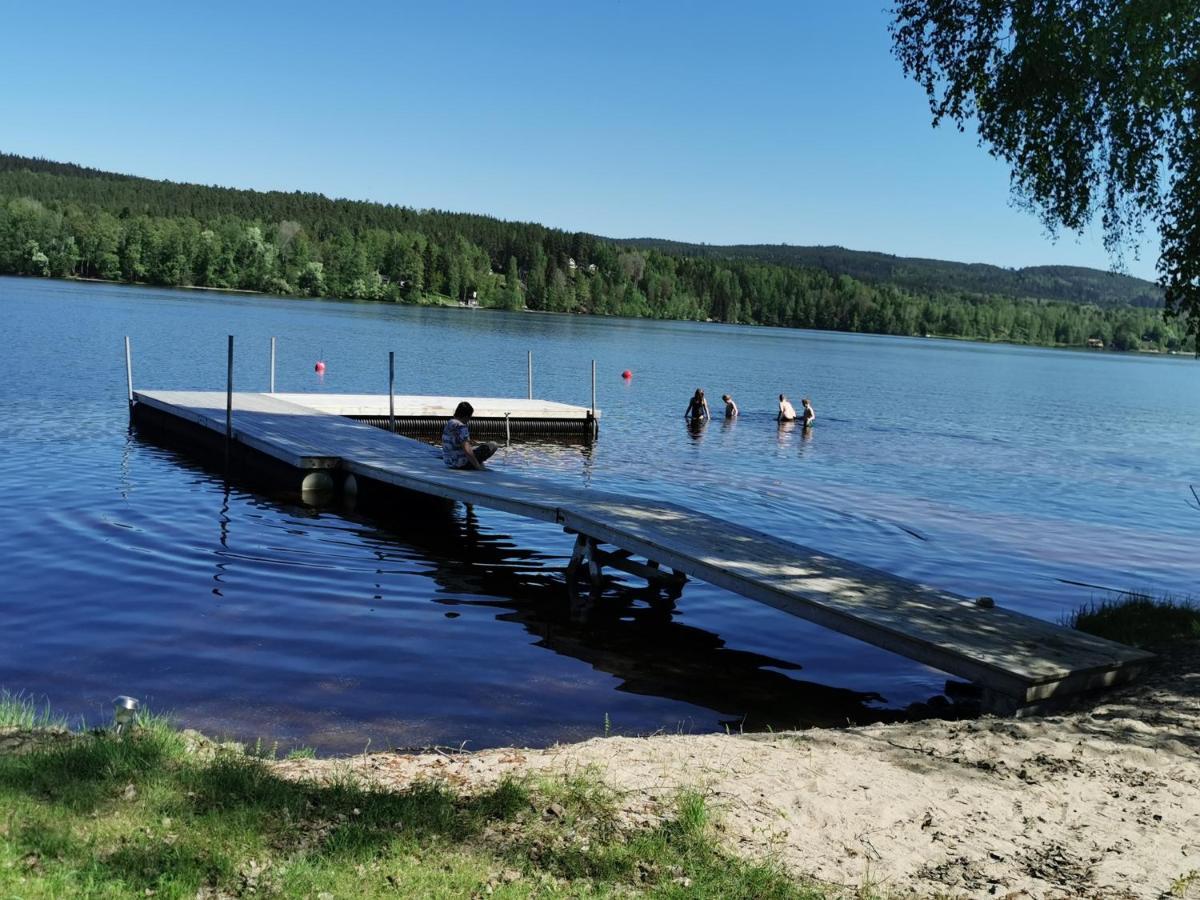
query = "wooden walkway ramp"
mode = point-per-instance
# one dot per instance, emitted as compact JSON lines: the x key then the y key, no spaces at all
{"x":1019,"y":658}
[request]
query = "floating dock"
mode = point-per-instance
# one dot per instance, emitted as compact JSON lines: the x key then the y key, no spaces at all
{"x":1017,"y":659}
{"x":426,"y":416}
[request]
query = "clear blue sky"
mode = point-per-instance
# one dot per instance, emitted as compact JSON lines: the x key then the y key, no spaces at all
{"x":762,"y":122}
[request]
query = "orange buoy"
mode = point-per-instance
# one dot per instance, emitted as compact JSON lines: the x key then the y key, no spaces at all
{"x":319,"y":368}
{"x":627,"y":375}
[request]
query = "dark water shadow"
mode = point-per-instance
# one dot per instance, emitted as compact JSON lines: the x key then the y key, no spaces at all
{"x":627,"y":630}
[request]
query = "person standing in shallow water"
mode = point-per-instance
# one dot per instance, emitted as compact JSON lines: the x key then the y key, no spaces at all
{"x":787,"y":412}
{"x":731,"y":409}
{"x":697,"y":410}
{"x":807,"y":414}
{"x":458,"y":450}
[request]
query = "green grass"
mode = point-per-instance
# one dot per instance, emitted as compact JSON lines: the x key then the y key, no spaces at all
{"x":1139,"y":620}
{"x":138,"y":816}
{"x":20,"y":711}
{"x":1184,"y":883}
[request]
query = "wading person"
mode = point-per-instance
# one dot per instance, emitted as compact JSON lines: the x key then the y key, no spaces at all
{"x":787,"y":412}
{"x":731,"y":409}
{"x":807,"y":413}
{"x":697,"y":409}
{"x":458,"y":450}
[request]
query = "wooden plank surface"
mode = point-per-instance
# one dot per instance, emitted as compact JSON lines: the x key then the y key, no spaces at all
{"x":279,"y":429}
{"x":409,"y":405}
{"x":1013,"y":653}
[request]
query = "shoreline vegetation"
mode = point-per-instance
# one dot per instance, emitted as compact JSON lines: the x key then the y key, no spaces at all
{"x":1101,"y":800}
{"x":441,"y":300}
{"x":61,"y":220}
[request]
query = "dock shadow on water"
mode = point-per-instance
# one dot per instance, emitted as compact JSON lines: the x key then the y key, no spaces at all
{"x":627,"y":631}
{"x":629,"y":639}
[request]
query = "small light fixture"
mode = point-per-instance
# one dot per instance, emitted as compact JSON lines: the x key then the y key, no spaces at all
{"x":124,"y":711}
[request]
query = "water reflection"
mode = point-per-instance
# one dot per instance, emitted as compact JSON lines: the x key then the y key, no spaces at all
{"x":696,"y":428}
{"x":628,"y":631}
{"x":223,"y":521}
{"x":783,"y":433}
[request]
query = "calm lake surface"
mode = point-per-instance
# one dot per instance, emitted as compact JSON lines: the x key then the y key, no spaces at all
{"x":133,"y":568}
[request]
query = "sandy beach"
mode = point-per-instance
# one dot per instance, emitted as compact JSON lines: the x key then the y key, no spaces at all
{"x":1101,"y":801}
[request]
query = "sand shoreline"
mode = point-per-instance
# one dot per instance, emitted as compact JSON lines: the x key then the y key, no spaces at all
{"x":1100,"y":802}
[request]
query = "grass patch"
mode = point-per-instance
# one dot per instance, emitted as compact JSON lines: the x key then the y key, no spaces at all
{"x":143,"y":815}
{"x":20,"y":711}
{"x":1184,"y":883}
{"x":676,"y":858}
{"x":1139,"y":620}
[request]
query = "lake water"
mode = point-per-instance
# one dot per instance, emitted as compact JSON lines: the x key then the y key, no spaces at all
{"x":132,"y":568}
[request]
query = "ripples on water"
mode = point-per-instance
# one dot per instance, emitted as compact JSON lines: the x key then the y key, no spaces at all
{"x":133,"y":568}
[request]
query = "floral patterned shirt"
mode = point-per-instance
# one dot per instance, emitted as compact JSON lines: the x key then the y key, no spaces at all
{"x":453,"y":436}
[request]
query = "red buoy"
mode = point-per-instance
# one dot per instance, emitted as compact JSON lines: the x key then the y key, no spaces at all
{"x":626,"y":374}
{"x":319,"y":368}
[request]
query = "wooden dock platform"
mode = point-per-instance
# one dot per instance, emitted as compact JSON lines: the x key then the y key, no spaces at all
{"x":355,"y":405}
{"x":423,"y":416}
{"x":1017,"y":659}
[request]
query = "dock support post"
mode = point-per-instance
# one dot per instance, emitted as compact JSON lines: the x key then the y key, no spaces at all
{"x":392,"y":391}
{"x":592,"y":411}
{"x":587,"y":553}
{"x":129,"y":371}
{"x":229,"y":397}
{"x":530,"y":362}
{"x":584,"y":554}
{"x":272,"y":364}
{"x":507,"y":432}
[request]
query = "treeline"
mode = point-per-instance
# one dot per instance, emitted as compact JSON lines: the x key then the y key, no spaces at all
{"x":1071,"y":284}
{"x":59,"y":220}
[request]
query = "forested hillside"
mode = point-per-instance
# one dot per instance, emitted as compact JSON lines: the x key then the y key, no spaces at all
{"x":62,"y":220}
{"x":1074,"y":284}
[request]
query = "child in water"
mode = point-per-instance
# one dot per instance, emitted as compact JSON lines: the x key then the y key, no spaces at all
{"x":731,"y":409}
{"x":808,"y":415}
{"x":697,"y":407}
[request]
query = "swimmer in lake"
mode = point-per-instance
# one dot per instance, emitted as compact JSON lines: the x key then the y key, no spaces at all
{"x":807,"y":414}
{"x":697,"y":410}
{"x":731,"y":409}
{"x":787,"y":412}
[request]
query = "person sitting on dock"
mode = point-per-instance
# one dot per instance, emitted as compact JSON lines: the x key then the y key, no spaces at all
{"x":697,"y":407}
{"x":807,"y":414}
{"x":731,"y":409}
{"x":458,"y":450}
{"x":787,"y":412}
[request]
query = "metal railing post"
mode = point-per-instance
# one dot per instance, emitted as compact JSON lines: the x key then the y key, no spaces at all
{"x":129,"y":370}
{"x":229,"y":396}
{"x":392,"y":391}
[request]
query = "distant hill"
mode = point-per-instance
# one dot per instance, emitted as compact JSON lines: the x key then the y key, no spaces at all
{"x":1072,"y":284}
{"x":61,"y":220}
